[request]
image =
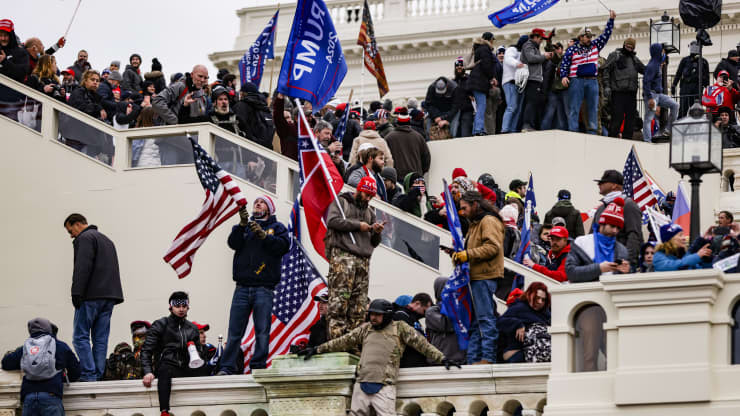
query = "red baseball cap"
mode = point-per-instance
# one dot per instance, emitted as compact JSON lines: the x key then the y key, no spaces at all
{"x":6,"y":25}
{"x":368,"y":186}
{"x":559,"y":231}
{"x":538,"y":32}
{"x":200,"y":327}
{"x":69,"y":71}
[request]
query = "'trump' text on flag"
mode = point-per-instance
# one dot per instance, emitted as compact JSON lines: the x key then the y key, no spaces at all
{"x":252,"y":64}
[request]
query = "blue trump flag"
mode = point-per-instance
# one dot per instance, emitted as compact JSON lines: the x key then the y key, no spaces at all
{"x":456,"y":300}
{"x":519,"y":10}
{"x":314,"y":65}
{"x":252,"y":64}
{"x":530,"y":203}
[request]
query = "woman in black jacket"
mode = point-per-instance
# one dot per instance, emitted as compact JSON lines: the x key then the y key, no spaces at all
{"x":479,"y":82}
{"x":86,"y":99}
{"x":532,"y":308}
{"x":44,"y":78}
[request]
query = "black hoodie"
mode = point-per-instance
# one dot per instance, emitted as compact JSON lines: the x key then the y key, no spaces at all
{"x":16,"y":63}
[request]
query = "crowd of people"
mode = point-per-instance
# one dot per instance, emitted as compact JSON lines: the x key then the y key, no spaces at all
{"x":382,"y":153}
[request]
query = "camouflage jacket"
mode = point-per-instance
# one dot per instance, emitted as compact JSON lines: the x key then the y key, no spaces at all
{"x":382,"y":349}
{"x":123,"y":364}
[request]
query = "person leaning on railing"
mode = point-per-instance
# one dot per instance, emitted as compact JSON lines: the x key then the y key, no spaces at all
{"x":86,"y":99}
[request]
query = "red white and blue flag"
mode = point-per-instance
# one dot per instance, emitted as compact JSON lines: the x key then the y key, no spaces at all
{"x":223,"y":199}
{"x":636,"y":184}
{"x":682,"y":208}
{"x":320,"y":183}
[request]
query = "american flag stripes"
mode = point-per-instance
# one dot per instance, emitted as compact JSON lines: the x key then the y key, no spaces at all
{"x":636,"y":184}
{"x":371,"y":55}
{"x":223,"y":199}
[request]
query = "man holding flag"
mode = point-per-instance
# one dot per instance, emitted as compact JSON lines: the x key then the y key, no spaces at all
{"x":484,"y":250}
{"x":259,"y":244}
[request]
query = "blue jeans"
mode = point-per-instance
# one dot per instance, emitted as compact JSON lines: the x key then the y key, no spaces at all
{"x":483,"y":330}
{"x":583,"y":89}
{"x":248,"y":300}
{"x":511,"y":114}
{"x":92,"y":321}
{"x":479,"y":122}
{"x":665,"y":103}
{"x":42,"y":404}
{"x":556,"y":113}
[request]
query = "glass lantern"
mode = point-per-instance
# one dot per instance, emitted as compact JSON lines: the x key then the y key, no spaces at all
{"x":696,"y":145}
{"x":667,"y":32}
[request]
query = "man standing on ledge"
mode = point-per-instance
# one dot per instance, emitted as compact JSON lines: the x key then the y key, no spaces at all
{"x":96,"y":288}
{"x":350,"y":241}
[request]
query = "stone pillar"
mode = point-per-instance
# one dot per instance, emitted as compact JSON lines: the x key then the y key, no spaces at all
{"x":10,"y":392}
{"x":319,"y":386}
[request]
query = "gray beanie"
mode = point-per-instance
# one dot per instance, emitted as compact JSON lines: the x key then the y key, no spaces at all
{"x":115,"y":63}
{"x":115,"y":76}
{"x":36,"y":325}
{"x":389,"y":173}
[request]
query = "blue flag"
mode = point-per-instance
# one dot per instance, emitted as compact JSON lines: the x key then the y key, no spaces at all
{"x":342,"y":126}
{"x":252,"y":64}
{"x":530,"y":203}
{"x":313,"y":65}
{"x":519,"y":10}
{"x":457,"y":303}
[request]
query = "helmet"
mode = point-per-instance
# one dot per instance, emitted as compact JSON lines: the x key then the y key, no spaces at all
{"x":487,"y":180}
{"x":381,"y":306}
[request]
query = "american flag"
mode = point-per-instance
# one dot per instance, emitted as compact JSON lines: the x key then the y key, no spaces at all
{"x":223,"y":199}
{"x":371,"y":55}
{"x":294,"y":311}
{"x":636,"y":185}
{"x":342,"y":126}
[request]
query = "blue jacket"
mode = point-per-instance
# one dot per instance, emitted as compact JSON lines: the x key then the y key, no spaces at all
{"x":652,"y":80}
{"x":518,"y":315}
{"x":663,"y":262}
{"x":66,"y":360}
{"x":257,"y":262}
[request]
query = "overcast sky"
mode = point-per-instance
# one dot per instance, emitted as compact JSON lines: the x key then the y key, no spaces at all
{"x":179,"y":33}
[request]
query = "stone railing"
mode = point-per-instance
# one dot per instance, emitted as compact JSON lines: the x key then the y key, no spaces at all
{"x":416,"y":8}
{"x":321,"y":386}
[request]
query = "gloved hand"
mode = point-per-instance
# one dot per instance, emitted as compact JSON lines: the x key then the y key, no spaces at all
{"x":450,"y":363}
{"x":257,"y":230}
{"x":243,"y":216}
{"x":460,"y":257}
{"x":77,"y":301}
{"x":61,"y":42}
{"x":308,"y":353}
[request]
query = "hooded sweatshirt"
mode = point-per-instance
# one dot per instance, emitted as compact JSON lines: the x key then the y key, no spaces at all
{"x":652,"y":81}
{"x":16,"y":63}
{"x":408,"y":201}
{"x":372,"y":137}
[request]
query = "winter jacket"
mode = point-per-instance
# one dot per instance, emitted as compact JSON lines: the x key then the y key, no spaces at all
{"x":80,"y":69}
{"x":409,"y":202}
{"x":382,"y":350}
{"x":168,"y":104}
{"x":534,"y":59}
{"x":555,"y":266}
{"x":580,"y":266}
{"x":461,"y":101}
{"x":519,"y":315}
{"x":96,"y":274}
{"x":255,"y":120}
{"x":87,"y":101}
{"x":120,"y":118}
{"x":167,"y":343}
{"x":39,"y":83}
{"x":318,"y":333}
{"x":226,"y":121}
{"x":652,"y":81}
{"x":65,"y":360}
{"x":384,"y":129}
{"x":572,"y":217}
{"x":410,"y":151}
{"x":730,"y":136}
{"x":156,"y":78}
{"x":411,"y":357}
{"x":433,"y":216}
{"x":441,"y":105}
{"x":621,"y":71}
{"x":485,"y":68}
{"x":631,"y":234}
{"x":352,"y":131}
{"x":511,"y":62}
{"x":105,"y":91}
{"x":687,"y":74}
{"x":16,"y":63}
{"x":731,"y":67}
{"x":484,"y":245}
{"x":372,"y":137}
{"x":663,"y":262}
{"x":131,"y":79}
{"x":257,"y":261}
{"x":339,"y":228}
{"x":354,"y":178}
{"x":440,"y":329}
{"x":582,"y":61}
{"x":287,"y":131}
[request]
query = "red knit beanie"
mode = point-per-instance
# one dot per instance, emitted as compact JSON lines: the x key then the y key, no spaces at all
{"x":614,"y":213}
{"x":457,"y":172}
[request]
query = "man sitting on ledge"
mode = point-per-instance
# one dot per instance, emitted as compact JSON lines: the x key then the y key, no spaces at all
{"x":383,"y":342}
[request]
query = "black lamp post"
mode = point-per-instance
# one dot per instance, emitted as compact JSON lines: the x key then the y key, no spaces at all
{"x":696,"y":149}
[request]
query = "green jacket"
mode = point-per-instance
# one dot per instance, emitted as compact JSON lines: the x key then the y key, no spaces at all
{"x":382,"y":349}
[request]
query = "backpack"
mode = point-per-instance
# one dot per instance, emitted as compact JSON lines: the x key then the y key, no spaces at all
{"x":39,"y":358}
{"x":713,"y":97}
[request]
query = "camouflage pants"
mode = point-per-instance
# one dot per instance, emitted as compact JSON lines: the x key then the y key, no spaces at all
{"x":348,"y":284}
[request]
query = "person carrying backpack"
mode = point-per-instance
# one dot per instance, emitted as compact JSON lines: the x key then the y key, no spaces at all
{"x":254,"y":117}
{"x":45,"y":362}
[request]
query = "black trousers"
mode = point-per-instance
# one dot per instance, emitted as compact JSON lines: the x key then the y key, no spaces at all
{"x":624,"y":108}
{"x":534,"y":100}
{"x":165,"y":374}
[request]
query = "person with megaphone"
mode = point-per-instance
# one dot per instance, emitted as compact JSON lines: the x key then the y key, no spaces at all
{"x":175,"y":342}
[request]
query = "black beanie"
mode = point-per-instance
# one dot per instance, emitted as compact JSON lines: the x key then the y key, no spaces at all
{"x":156,"y":66}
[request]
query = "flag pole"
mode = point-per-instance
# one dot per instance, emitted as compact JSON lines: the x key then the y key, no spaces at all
{"x":72,"y":19}
{"x":272,"y":61}
{"x":327,"y":176}
{"x":362,"y":82}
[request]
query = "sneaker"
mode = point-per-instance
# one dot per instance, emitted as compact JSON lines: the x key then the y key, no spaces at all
{"x":222,"y":373}
{"x":665,"y":133}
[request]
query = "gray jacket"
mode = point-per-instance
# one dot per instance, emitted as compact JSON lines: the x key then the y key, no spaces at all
{"x":580,"y":267}
{"x":533,"y":58}
{"x":131,"y":79}
{"x":631,"y":234}
{"x":169,"y":102}
{"x":621,"y":71}
{"x":339,"y":228}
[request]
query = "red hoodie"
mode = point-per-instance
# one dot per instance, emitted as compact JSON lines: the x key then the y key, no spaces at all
{"x":559,"y":261}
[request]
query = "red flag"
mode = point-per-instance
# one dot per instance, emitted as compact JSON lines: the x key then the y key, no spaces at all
{"x":320,"y":183}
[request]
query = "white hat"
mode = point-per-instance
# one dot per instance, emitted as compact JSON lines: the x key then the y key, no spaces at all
{"x":366,"y":146}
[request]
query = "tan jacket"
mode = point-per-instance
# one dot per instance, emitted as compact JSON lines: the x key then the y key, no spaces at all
{"x":372,"y":137}
{"x":484,"y":246}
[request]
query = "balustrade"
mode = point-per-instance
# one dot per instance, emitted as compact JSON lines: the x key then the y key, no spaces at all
{"x":444,"y":7}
